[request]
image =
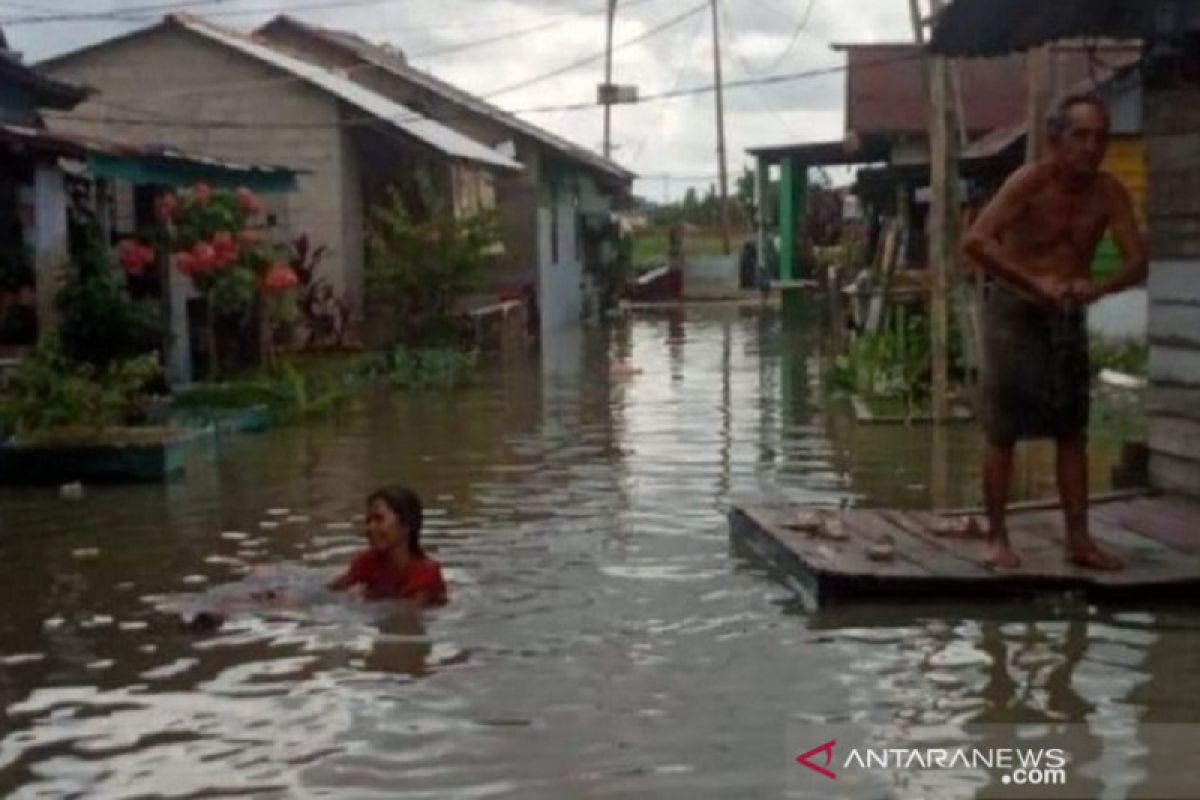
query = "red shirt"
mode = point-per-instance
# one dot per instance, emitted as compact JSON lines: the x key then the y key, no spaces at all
{"x":383,"y":578}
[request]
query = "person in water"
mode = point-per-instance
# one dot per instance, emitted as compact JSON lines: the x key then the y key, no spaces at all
{"x":1035,"y":243}
{"x":394,"y":566}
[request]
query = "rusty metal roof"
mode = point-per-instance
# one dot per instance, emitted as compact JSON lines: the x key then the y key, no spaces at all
{"x":394,"y":62}
{"x":827,"y":154}
{"x":886,"y":92}
{"x":997,"y":27}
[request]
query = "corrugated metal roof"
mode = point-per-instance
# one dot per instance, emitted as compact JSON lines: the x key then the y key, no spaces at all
{"x":78,"y":146}
{"x":826,"y":154}
{"x":996,"y":27}
{"x":886,"y":92}
{"x":396,"y":64}
{"x":49,"y":93}
{"x":434,"y":134}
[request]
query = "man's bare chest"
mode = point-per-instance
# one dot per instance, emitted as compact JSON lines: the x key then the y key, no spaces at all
{"x":1053,"y":220}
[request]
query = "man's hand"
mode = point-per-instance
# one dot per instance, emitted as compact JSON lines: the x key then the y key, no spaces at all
{"x":1082,"y":291}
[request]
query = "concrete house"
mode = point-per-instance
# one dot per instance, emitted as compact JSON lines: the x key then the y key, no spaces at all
{"x":205,"y":88}
{"x":1170,"y":32}
{"x":546,"y":208}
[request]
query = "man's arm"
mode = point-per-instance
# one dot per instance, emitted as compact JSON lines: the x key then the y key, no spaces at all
{"x":1130,"y":243}
{"x":982,"y":244}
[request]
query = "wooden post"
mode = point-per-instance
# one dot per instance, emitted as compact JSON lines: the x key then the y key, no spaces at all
{"x":944,"y":223}
{"x":787,"y":219}
{"x":1040,"y":66}
{"x":762,"y":175}
{"x":726,"y":246}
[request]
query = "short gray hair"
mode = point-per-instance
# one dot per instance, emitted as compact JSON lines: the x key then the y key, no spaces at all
{"x":1059,"y":120}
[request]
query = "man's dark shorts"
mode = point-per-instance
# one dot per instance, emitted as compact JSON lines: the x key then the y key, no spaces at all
{"x":1036,"y":371}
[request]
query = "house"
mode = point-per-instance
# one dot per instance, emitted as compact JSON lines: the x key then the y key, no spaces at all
{"x":564,"y":194}
{"x":1170,"y":30}
{"x":221,"y":92}
{"x":42,"y":170}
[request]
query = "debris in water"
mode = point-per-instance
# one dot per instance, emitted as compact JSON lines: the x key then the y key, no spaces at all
{"x":100,"y":666}
{"x":267,"y":525}
{"x":22,"y":658}
{"x":278,"y":512}
{"x":882,"y":552}
{"x":86,"y":553}
{"x":195,"y":580}
{"x":53,"y":623}
{"x":71,"y":491}
{"x":133,"y":625}
{"x":234,"y":536}
{"x":297,"y":519}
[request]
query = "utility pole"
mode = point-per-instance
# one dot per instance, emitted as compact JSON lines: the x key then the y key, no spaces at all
{"x":726,"y":246}
{"x":944,"y":221}
{"x":608,"y":76}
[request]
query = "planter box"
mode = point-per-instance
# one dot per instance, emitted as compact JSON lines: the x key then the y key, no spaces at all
{"x":120,"y":456}
{"x":225,"y":421}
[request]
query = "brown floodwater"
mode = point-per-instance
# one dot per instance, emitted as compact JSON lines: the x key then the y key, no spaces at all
{"x":605,"y":638}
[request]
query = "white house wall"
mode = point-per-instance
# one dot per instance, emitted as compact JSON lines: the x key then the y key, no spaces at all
{"x":560,"y":295}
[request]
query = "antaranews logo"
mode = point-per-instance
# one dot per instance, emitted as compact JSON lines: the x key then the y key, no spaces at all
{"x":1021,"y":766}
{"x":806,"y":759}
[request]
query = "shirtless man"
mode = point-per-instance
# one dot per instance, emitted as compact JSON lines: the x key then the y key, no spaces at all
{"x":1035,"y":243}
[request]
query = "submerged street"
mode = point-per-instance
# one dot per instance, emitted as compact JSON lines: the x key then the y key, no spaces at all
{"x":604,"y":638}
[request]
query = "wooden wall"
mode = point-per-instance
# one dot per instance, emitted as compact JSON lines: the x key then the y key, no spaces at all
{"x":1173,"y":211}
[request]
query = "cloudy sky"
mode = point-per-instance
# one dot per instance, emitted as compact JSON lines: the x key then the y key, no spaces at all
{"x":488,"y":45}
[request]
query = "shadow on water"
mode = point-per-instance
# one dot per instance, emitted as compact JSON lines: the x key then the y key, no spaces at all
{"x":601,"y":640}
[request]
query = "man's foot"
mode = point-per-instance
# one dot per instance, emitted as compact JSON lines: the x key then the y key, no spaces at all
{"x":1085,"y":554}
{"x":1000,"y":555}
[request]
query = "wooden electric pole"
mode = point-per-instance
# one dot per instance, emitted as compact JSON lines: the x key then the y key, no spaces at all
{"x":608,"y":76}
{"x":726,"y":246}
{"x":944,"y":215}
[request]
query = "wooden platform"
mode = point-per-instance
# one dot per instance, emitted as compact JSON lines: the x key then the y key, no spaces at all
{"x":1157,"y":537}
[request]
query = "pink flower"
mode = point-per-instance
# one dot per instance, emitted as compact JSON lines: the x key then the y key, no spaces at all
{"x":279,"y":278}
{"x":201,"y":193}
{"x":165,"y":206}
{"x":249,"y":201}
{"x":186,"y":263}
{"x":204,"y":258}
{"x":134,"y":256}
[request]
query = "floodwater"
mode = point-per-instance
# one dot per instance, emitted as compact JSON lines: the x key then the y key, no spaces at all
{"x":605,"y":638}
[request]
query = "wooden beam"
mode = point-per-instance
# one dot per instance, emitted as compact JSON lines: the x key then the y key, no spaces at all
{"x":944,"y":223}
{"x":1039,"y":63}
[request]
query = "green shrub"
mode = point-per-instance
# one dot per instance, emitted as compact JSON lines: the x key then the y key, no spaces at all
{"x":100,"y":323}
{"x":435,"y":368}
{"x":1131,"y":356}
{"x":50,"y":391}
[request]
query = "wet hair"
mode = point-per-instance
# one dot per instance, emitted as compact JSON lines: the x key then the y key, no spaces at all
{"x":406,"y":505}
{"x":1059,"y":121}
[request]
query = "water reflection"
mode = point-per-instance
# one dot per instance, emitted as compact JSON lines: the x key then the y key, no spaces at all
{"x":602,"y":640}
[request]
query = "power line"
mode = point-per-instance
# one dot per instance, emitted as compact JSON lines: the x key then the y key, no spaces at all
{"x":574,"y":65}
{"x":111,"y":14}
{"x":801,"y":27}
{"x":519,"y":32}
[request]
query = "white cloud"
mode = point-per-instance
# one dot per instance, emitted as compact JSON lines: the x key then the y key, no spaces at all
{"x":653,"y":138}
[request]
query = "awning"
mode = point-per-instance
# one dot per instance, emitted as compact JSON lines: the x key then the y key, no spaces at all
{"x":854,"y":150}
{"x":996,"y":27}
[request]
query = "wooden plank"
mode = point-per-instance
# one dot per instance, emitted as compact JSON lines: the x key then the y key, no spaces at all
{"x":1170,"y":112}
{"x":1175,"y":437}
{"x":1177,"y":475}
{"x":1051,"y":503}
{"x":1174,"y":366}
{"x":1175,"y":323}
{"x":1175,"y":281}
{"x":1178,"y":402}
{"x":1167,"y":521}
{"x":1147,"y":561}
{"x":934,"y":556}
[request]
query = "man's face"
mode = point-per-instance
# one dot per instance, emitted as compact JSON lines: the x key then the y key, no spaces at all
{"x":1081,"y":149}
